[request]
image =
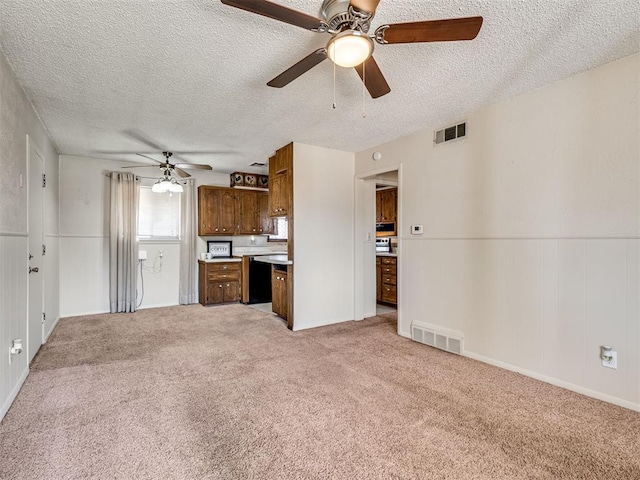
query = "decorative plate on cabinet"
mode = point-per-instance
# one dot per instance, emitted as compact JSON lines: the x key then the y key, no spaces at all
{"x":250,"y":180}
{"x":263,"y":181}
{"x":237,"y":179}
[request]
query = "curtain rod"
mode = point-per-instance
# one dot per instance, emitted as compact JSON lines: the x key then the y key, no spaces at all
{"x":108,"y":175}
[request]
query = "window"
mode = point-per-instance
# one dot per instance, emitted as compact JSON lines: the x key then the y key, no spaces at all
{"x":282,"y":230}
{"x":158,"y":215}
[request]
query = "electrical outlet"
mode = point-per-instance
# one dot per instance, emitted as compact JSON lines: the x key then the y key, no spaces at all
{"x":142,"y":254}
{"x":611,"y":361}
{"x":161,"y":253}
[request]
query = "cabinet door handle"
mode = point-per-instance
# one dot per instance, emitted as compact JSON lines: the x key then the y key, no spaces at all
{"x":220,"y":286}
{"x":224,"y":267}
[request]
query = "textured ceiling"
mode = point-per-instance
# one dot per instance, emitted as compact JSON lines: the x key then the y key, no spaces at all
{"x":115,"y":76}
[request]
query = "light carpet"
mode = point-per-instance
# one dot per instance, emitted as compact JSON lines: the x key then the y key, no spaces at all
{"x":228,"y":392}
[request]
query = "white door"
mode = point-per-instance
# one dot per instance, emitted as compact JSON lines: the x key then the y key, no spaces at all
{"x":36,"y":262}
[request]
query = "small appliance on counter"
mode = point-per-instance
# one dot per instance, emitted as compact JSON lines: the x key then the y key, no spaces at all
{"x":383,"y":244}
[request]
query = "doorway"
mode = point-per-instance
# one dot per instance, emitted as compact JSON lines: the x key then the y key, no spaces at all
{"x":370,"y":259}
{"x":35,"y":323}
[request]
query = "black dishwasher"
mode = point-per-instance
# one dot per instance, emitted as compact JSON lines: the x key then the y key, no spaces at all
{"x":259,"y":281}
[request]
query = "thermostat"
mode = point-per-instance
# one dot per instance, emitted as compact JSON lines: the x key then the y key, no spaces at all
{"x":416,"y":229}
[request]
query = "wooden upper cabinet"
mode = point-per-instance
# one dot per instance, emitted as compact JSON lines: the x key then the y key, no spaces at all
{"x":278,"y":196}
{"x":253,"y":213}
{"x":208,"y":207}
{"x":386,"y":205}
{"x":227,"y":211}
{"x":282,"y":160}
{"x":227,"y":219}
{"x":216,"y":211}
{"x":266,"y":224}
{"x":281,"y":182}
{"x":248,"y":209}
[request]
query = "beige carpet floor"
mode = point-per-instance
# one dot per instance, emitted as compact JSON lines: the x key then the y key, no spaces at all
{"x":229,"y":393}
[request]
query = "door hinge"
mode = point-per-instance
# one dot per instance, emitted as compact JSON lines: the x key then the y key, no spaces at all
{"x":44,"y":180}
{"x":44,"y":249}
{"x":44,"y":317}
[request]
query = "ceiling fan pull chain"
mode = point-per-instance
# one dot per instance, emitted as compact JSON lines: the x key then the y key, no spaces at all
{"x":334,"y":77}
{"x":364,"y":81}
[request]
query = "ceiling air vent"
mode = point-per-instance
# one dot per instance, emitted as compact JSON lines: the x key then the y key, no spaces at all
{"x":257,"y":164}
{"x":450,"y":133}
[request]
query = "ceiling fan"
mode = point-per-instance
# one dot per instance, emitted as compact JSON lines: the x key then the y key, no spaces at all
{"x":168,"y":183}
{"x":348,"y":22}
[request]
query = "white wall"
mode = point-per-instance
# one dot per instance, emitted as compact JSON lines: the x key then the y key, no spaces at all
{"x":365,"y":298}
{"x":532,"y":228}
{"x":323,"y":257}
{"x":18,"y":120}
{"x":84,"y":227}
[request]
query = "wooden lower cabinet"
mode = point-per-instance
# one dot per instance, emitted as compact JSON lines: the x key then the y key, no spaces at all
{"x":219,"y":282}
{"x":386,"y":280}
{"x":279,"y":296}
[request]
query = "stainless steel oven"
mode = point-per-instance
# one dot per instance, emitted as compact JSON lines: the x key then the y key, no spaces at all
{"x":383,"y":245}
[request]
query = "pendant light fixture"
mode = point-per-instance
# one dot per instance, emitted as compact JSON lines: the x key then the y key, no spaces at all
{"x":167,"y":184}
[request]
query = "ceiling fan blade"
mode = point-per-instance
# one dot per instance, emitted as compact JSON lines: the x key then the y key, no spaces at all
{"x":141,"y":165}
{"x":201,"y":152}
{"x":193,"y":166}
{"x":181,"y":172}
{"x":150,"y":158}
{"x":430,"y":31}
{"x":304,"y":65}
{"x":368,"y":6}
{"x":373,"y":78}
{"x":278,"y":12}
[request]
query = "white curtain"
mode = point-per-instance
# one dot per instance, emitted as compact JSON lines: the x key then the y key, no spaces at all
{"x":123,"y":244}
{"x":188,"y":245}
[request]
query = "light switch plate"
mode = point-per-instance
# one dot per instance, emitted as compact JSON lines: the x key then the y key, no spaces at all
{"x":416,"y":230}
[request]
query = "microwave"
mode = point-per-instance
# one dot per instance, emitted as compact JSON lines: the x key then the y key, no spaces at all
{"x":385,"y":229}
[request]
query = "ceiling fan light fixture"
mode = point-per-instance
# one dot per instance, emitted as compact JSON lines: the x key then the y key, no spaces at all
{"x":350,"y":48}
{"x":167,"y":184}
{"x":175,"y":187}
{"x":161,"y":186}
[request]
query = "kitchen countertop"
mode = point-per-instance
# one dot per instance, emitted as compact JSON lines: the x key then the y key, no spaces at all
{"x":274,"y":259}
{"x":260,"y":253}
{"x":381,"y":254}
{"x":221,"y":259}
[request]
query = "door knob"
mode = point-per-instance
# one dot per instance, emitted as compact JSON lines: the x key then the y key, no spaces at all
{"x":33,"y":270}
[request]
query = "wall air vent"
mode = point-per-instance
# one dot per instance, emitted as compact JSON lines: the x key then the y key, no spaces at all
{"x":450,"y":133}
{"x":438,"y":337}
{"x":257,"y":164}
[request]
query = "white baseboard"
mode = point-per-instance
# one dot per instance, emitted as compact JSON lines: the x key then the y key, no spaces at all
{"x":53,"y":327}
{"x":159,"y":305}
{"x":82,"y":314}
{"x":556,"y":382}
{"x":14,"y":393}
{"x":323,"y":323}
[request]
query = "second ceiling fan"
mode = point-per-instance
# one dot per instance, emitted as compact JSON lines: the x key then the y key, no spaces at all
{"x":351,"y":45}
